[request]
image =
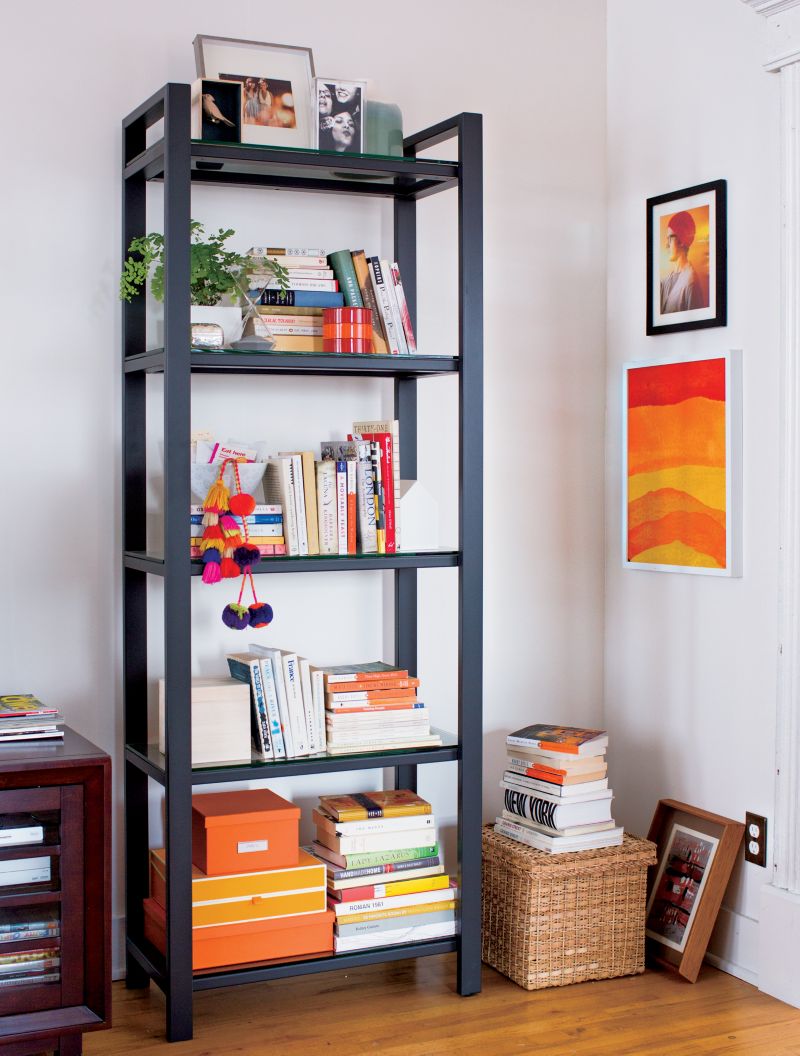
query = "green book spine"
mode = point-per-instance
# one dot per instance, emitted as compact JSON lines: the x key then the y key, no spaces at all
{"x":342,"y":264}
{"x":367,"y":858}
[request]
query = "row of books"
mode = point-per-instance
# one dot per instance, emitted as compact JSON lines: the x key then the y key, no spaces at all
{"x":23,"y":923}
{"x":293,"y":314}
{"x":300,"y":710}
{"x":24,"y":718}
{"x":30,"y":967}
{"x":385,"y":876}
{"x":555,"y":790}
{"x":264,"y":528}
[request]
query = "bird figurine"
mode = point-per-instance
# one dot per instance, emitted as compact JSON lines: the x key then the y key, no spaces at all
{"x":213,"y":112}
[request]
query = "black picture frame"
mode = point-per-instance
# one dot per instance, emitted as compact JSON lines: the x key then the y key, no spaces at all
{"x":714,"y":313}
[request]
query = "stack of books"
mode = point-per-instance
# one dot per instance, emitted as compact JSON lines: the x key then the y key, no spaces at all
{"x":555,"y":790}
{"x":386,"y":880}
{"x":374,"y":707}
{"x":24,"y":718}
{"x":265,"y":527}
{"x":293,"y":316}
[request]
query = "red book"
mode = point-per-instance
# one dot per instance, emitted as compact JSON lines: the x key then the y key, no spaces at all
{"x":384,"y":440}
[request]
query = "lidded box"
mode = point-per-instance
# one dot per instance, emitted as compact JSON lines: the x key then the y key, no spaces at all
{"x":242,"y":831}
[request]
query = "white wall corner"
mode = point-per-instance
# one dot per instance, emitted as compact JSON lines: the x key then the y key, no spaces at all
{"x":779,"y":945}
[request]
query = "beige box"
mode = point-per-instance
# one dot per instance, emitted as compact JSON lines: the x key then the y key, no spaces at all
{"x":220,"y":721}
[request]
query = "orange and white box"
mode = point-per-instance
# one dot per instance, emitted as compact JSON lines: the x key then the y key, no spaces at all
{"x":241,"y":831}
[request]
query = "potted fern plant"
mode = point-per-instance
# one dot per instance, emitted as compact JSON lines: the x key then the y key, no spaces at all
{"x":216,"y":272}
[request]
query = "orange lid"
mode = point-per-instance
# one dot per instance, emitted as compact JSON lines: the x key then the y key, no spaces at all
{"x":253,"y":804}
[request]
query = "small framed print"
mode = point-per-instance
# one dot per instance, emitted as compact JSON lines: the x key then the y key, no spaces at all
{"x":277,"y":85}
{"x":217,"y":111}
{"x":681,"y":464}
{"x":341,"y":107}
{"x":686,"y":259}
{"x":696,"y":855}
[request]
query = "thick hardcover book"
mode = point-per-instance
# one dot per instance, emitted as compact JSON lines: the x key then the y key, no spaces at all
{"x":385,"y":914}
{"x":572,"y":830}
{"x":361,"y":267}
{"x":367,"y":528}
{"x":388,"y":425}
{"x":385,"y":444}
{"x":342,"y":263}
{"x":280,"y":689}
{"x":305,"y":536}
{"x":372,"y":825}
{"x":326,"y":508}
{"x":358,"y":806}
{"x":383,"y":299}
{"x":378,"y":841}
{"x":294,"y":695}
{"x":400,"y":936}
{"x":302,"y":298}
{"x":425,"y":897}
{"x":554,"y":815}
{"x":312,"y":732}
{"x":571,"y":740}
{"x":378,"y":927}
{"x":395,"y":886}
{"x":273,"y":710}
{"x":279,"y":487}
{"x":246,"y":668}
{"x":532,"y":786}
{"x":536,"y":784}
{"x":364,"y":859}
{"x":558,"y":844}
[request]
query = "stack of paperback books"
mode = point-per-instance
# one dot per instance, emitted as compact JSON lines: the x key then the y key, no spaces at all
{"x":386,"y":880}
{"x":555,"y":790}
{"x":374,"y":707}
{"x":264,"y":526}
{"x":24,"y":718}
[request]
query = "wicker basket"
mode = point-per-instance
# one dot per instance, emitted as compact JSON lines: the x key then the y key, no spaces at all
{"x":555,"y":919}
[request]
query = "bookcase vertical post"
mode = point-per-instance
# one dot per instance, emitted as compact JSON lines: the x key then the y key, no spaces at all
{"x":134,"y":583}
{"x":470,"y":613}
{"x":177,"y":564}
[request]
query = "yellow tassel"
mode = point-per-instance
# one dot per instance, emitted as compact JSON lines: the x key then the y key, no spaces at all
{"x":209,"y":544}
{"x":218,"y":497}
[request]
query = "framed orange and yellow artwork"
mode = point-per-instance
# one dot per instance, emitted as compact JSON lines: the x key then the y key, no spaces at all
{"x":681,"y":443}
{"x":686,"y":259}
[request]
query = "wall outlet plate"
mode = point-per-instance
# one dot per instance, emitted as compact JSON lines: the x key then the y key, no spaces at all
{"x":755,"y":839}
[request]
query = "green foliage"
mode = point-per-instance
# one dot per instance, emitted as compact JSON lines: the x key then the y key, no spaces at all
{"x":214,"y":270}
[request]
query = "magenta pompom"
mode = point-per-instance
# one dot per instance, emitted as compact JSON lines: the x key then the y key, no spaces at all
{"x":211,"y":573}
{"x":237,"y":617}
{"x":260,"y":614}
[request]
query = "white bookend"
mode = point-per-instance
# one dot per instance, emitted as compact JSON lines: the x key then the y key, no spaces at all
{"x":394,"y":307}
{"x":308,"y":705}
{"x":281,"y":691}
{"x":279,"y":488}
{"x":326,"y":508}
{"x":341,"y":507}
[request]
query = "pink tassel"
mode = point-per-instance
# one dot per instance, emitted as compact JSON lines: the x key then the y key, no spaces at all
{"x":212,"y":573}
{"x":228,"y":523}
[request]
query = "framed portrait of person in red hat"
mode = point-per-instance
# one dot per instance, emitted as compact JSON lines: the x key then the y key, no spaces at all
{"x":686,"y":259}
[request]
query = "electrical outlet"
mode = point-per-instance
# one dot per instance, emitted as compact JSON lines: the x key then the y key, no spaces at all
{"x":755,"y":839}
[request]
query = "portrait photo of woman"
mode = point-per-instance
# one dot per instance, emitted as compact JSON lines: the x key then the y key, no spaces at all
{"x":340,"y":116}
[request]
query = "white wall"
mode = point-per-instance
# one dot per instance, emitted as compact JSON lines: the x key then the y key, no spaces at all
{"x":538,"y":75}
{"x":690,"y":660}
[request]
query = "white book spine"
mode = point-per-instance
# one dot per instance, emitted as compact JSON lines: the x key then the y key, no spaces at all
{"x":280,"y":689}
{"x":415,"y":898}
{"x":367,"y":531}
{"x":389,"y":841}
{"x":384,"y":304}
{"x":318,"y":693}
{"x":370,"y":825}
{"x":341,"y":506}
{"x":294,"y":695}
{"x":299,"y":504}
{"x":308,"y":705}
{"x":273,"y":713}
{"x":308,"y":285}
{"x":405,"y":315}
{"x":394,"y":307}
{"x":326,"y":508}
{"x":278,"y":485}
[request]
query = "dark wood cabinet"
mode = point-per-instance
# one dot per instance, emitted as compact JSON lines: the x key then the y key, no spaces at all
{"x":55,"y":895}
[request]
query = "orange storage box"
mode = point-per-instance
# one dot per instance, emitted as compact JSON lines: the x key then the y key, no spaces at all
{"x":261,"y":895}
{"x":239,"y":832}
{"x":260,"y":940}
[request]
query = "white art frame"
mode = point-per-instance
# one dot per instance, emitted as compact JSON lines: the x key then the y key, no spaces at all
{"x":228,"y":58}
{"x":325,"y":136}
{"x":636,"y":487}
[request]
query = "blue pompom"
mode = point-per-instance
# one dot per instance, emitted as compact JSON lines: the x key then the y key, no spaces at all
{"x":260,"y":614}
{"x":212,"y":554}
{"x":237,"y":617}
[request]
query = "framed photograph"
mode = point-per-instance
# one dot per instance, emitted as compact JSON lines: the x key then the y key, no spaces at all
{"x":277,"y":85}
{"x":697,"y":851}
{"x":217,"y":111}
{"x":686,"y":259}
{"x":681,"y":464}
{"x":340,"y":120}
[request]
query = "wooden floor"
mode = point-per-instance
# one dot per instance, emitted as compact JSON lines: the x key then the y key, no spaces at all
{"x":411,"y":1007}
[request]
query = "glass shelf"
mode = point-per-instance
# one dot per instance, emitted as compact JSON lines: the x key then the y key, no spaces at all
{"x":331,"y":364}
{"x":154,"y":563}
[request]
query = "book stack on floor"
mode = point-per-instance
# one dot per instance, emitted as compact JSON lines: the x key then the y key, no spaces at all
{"x":386,"y":881}
{"x":555,"y":790}
{"x":256,"y":895}
{"x":24,"y":718}
{"x":374,"y":707}
{"x":264,"y":526}
{"x":344,"y":278}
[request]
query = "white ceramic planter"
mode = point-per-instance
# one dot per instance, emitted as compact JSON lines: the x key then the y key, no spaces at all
{"x":229,"y":318}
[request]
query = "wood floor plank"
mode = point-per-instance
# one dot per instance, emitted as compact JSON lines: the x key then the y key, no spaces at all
{"x":411,"y":1008}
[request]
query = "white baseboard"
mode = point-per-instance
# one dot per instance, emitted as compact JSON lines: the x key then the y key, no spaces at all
{"x":778,"y":944}
{"x":734,"y":945}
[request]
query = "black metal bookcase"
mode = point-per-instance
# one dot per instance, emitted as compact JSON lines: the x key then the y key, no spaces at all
{"x":179,"y":161}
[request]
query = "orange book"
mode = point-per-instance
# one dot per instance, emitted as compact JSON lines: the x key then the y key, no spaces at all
{"x":372,"y":684}
{"x":380,"y":696}
{"x":366,"y":708}
{"x":565,"y":779}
